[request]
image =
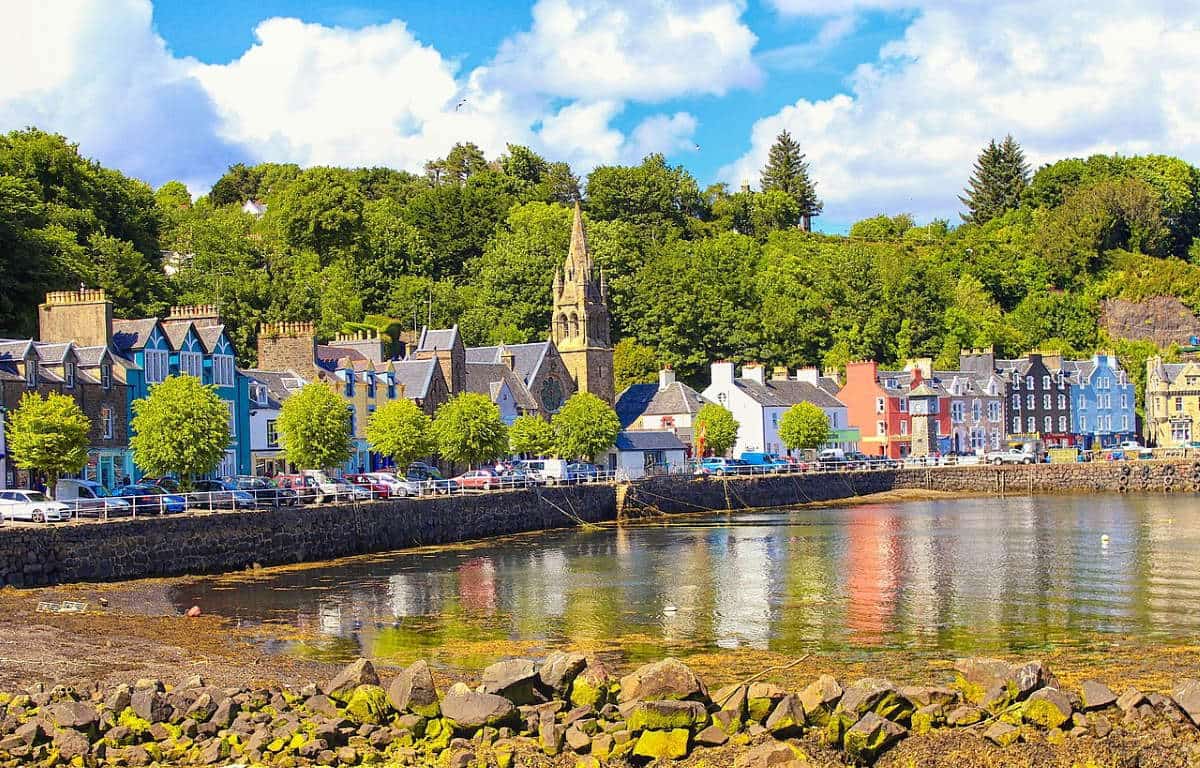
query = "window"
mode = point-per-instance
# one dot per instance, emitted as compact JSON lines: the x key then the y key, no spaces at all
{"x":976,"y":410}
{"x":880,"y":405}
{"x":1016,"y":424}
{"x":371,"y":385}
{"x":775,"y":420}
{"x":391,"y":393}
{"x":31,"y":372}
{"x":995,"y":439}
{"x":349,"y":383}
{"x":157,"y":365}
{"x":106,"y":376}
{"x":191,"y":364}
{"x":232,"y":419}
{"x":351,"y":410}
{"x":1028,"y":382}
{"x":1062,"y":423}
{"x":1062,"y":402}
{"x":1048,"y":423}
{"x":1181,"y":432}
{"x":1083,"y":427}
{"x":69,"y":374}
{"x":1030,"y":402}
{"x":223,"y":370}
{"x":1031,"y":422}
{"x":260,"y":394}
{"x":1045,"y":382}
{"x":978,"y":439}
{"x":722,"y":397}
{"x":107,"y":422}
{"x":1124,"y":399}
{"x":1016,"y":382}
{"x":1125,"y":423}
{"x":994,"y":410}
{"x":904,"y":405}
{"x":956,"y":412}
{"x":881,"y":427}
{"x":1046,"y":402}
{"x":1179,"y":405}
{"x":272,"y":434}
{"x":903,"y":427}
{"x":1016,"y":402}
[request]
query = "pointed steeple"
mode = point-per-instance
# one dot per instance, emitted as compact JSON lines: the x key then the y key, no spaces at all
{"x":578,"y":255}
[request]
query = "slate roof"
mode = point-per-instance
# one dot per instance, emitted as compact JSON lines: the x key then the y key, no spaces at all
{"x":784,"y":393}
{"x":415,"y":376}
{"x":176,"y":331}
{"x":276,"y":382}
{"x":52,"y":353}
{"x":14,"y":349}
{"x":486,"y":378}
{"x":633,"y":402}
{"x":129,"y":335}
{"x":648,"y":440}
{"x":1082,"y":368}
{"x":527,"y":358}
{"x":328,"y":356}
{"x":676,"y":397}
{"x":209,"y":336}
{"x":1171,"y":371}
{"x":89,"y":357}
{"x":437,"y":339}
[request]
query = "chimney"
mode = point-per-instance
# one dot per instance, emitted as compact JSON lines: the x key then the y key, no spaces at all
{"x":83,"y":316}
{"x":666,"y":377}
{"x":366,"y":343}
{"x":1052,"y":360}
{"x":981,"y":362}
{"x":508,"y":358}
{"x":810,"y":375}
{"x":288,"y":346}
{"x":861,"y":370}
{"x":722,"y":372}
{"x":755,"y":372}
{"x":202,"y":315}
{"x":922,"y":364}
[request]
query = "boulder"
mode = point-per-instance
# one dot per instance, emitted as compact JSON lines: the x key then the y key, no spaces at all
{"x":578,"y":740}
{"x":732,"y":698}
{"x":787,"y":719}
{"x":666,"y":679}
{"x":772,"y":754}
{"x":468,"y":710}
{"x":118,"y":699}
{"x":226,"y":712}
{"x":358,"y":672}
{"x":79,"y":715}
{"x":1002,"y":734}
{"x":71,"y":744}
{"x":1095,"y":695}
{"x":560,"y":670}
{"x":663,"y":745}
{"x":1187,"y":697}
{"x":928,"y":717}
{"x":591,"y":686}
{"x":1049,"y":707}
{"x":761,"y":699}
{"x":150,"y":705}
{"x":712,"y":736}
{"x":1101,"y":726}
{"x":870,"y":737}
{"x":663,"y":715}
{"x":820,"y":698}
{"x":413,"y":691}
{"x":964,"y":715}
{"x":1130,"y":700}
{"x":369,"y":705}
{"x":516,"y":680}
{"x":201,"y":708}
{"x":876,"y":695}
{"x":1031,"y":677}
{"x":926,"y":696}
{"x":550,"y":737}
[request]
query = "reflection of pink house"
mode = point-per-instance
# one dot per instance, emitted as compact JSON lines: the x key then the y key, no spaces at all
{"x":477,"y":585}
{"x":873,"y":585}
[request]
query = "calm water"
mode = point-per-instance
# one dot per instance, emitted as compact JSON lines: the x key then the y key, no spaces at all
{"x":968,"y":575}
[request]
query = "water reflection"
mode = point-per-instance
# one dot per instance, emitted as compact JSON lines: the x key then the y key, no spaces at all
{"x":970,"y":575}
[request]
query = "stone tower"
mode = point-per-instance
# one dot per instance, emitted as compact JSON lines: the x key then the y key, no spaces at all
{"x":923,"y":407}
{"x":579,"y":326}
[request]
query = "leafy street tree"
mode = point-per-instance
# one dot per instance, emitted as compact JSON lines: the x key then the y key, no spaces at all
{"x":49,"y":435}
{"x":999,"y":178}
{"x":584,"y":427}
{"x":804,"y":426}
{"x":400,"y":430}
{"x":181,"y":428}
{"x":787,"y":171}
{"x":314,"y":428}
{"x":716,"y":425}
{"x":633,"y":363}
{"x":468,"y":430}
{"x":531,"y":436}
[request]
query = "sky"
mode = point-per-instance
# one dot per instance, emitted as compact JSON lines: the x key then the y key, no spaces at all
{"x":891,"y":100}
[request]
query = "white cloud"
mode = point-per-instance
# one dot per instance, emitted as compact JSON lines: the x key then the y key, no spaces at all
{"x":808,"y":54}
{"x":1113,"y":76}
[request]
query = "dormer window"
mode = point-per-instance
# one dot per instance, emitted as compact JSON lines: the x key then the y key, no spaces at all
{"x":106,"y":376}
{"x":349,"y":383}
{"x":69,"y":375}
{"x":31,"y":373}
{"x":260,"y":394}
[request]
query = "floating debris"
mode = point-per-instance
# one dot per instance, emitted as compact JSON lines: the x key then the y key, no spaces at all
{"x":66,"y":606}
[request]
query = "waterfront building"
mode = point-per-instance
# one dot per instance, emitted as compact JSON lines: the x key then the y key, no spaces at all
{"x":642,"y":452}
{"x":1038,"y":399}
{"x":580,"y":323}
{"x":975,"y":399}
{"x":90,"y":376}
{"x":666,"y":406}
{"x":877,"y":405}
{"x":758,"y":403}
{"x":1172,"y":403}
{"x":268,"y":390}
{"x":1103,"y":412}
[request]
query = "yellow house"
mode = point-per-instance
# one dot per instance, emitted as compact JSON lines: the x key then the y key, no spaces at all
{"x":1172,"y":403}
{"x":365,"y":385}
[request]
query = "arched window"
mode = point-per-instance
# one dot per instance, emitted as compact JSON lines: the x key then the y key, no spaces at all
{"x":574,"y":324}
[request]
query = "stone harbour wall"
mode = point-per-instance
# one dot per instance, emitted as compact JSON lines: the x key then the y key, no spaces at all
{"x":212,"y":543}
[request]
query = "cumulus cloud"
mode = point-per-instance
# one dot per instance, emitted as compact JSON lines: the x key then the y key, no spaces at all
{"x":1065,"y":80}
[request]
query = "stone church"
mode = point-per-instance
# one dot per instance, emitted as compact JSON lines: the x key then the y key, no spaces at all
{"x":580,"y":323}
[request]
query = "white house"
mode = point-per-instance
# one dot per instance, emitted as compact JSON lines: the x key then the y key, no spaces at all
{"x":669,"y":406}
{"x":268,"y":390}
{"x":758,"y":403}
{"x":641,"y":452}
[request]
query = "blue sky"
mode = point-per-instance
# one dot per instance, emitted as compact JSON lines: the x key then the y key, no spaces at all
{"x":891,"y":99}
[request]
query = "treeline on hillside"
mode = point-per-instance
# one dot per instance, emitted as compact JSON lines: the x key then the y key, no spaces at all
{"x":695,"y":274}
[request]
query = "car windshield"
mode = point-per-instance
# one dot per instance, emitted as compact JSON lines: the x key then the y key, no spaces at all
{"x":36,"y":496}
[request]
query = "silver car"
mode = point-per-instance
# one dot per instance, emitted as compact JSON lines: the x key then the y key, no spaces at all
{"x":33,"y":506}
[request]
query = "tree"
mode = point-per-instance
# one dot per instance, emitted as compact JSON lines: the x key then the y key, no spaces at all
{"x":787,"y":171}
{"x":181,"y":428}
{"x":468,"y":429}
{"x":322,"y":210}
{"x":804,"y":426}
{"x":400,"y":430}
{"x":314,"y":428}
{"x":531,"y":436}
{"x":715,"y":425}
{"x":584,"y":427}
{"x":999,"y":178}
{"x":653,"y":196}
{"x":633,"y":363}
{"x":49,"y":435}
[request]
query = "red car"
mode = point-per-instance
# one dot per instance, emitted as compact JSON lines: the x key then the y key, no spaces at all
{"x":378,"y":488}
{"x":479,"y":479}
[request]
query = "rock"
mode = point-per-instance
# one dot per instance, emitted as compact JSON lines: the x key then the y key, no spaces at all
{"x":712,"y":736}
{"x":227,"y":710}
{"x":591,"y":686}
{"x":369,"y":704}
{"x":577,"y":740}
{"x":874,"y":695}
{"x":727,"y":720}
{"x":516,"y":680}
{"x":359,"y":672}
{"x":550,"y":737}
{"x":560,"y":670}
{"x":761,"y":698}
{"x":201,"y":708}
{"x":1100,"y":725}
{"x":216,"y":751}
{"x":991,"y":683}
{"x":118,"y":699}
{"x":787,"y":719}
{"x":1187,"y":697}
{"x":577,"y":714}
{"x":732,"y":698}
{"x":602,"y":745}
{"x":773,"y":754}
{"x":926,"y":718}
{"x":311,"y":749}
{"x":926,"y":696}
{"x":820,"y":698}
{"x":1031,"y":677}
{"x":73,"y":714}
{"x":666,"y":679}
{"x":964,"y":715}
{"x":1130,"y":700}
{"x":1048,"y":707}
{"x":663,"y":745}
{"x":663,"y":715}
{"x":870,"y":737}
{"x":413,"y":691}
{"x":468,"y":710}
{"x":1002,"y":734}
{"x":1094,"y":695}
{"x":347,"y":755}
{"x":71,"y":744}
{"x":321,"y":704}
{"x":193,"y":612}
{"x":150,"y":705}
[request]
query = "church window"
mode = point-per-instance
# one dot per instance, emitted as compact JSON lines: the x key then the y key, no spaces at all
{"x":574,"y":324}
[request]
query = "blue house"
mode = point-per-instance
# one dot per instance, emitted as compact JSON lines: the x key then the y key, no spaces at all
{"x":1103,"y":409}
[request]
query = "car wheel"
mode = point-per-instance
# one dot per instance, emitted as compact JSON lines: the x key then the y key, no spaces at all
{"x":997,"y":462}
{"x":39,"y":516}
{"x":1027,"y":461}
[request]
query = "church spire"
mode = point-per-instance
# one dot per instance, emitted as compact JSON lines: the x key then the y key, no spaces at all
{"x":578,"y":255}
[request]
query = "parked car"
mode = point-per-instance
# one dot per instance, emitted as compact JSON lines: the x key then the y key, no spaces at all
{"x":265,"y":493}
{"x":519,"y":478}
{"x":311,"y":486}
{"x":429,"y":478}
{"x":861,"y":460}
{"x":1009,"y":456}
{"x":168,"y":484}
{"x":220,"y":494}
{"x":551,"y":471}
{"x":397,"y":486}
{"x":764,"y":462}
{"x":1129,"y":445}
{"x":87,"y":498}
{"x":151,"y":499}
{"x":583,"y":472}
{"x":378,"y":488}
{"x":34,"y":506}
{"x":348,"y":491}
{"x":716,"y":465}
{"x":479,"y":480}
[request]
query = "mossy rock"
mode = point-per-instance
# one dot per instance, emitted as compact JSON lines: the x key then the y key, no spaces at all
{"x":663,"y":745}
{"x":584,"y":693}
{"x":438,"y":733}
{"x":504,"y":758}
{"x":835,"y":729}
{"x":666,"y":716}
{"x":130,"y":720}
{"x":759,"y":708}
{"x":369,"y":704}
{"x":923,"y":722}
{"x":1043,"y":713}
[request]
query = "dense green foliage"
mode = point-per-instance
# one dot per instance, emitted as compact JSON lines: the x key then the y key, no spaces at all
{"x":314,"y":428}
{"x":803,"y":426}
{"x":787,"y":172}
{"x":48,"y":435}
{"x":181,"y":428}
{"x":468,"y":429}
{"x":584,"y":427}
{"x":694,"y":274}
{"x":531,"y":436}
{"x":399,"y":429}
{"x":718,"y":428}
{"x":633,"y":363}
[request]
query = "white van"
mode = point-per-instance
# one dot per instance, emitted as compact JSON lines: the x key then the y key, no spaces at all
{"x":550,"y":471}
{"x":89,"y":498}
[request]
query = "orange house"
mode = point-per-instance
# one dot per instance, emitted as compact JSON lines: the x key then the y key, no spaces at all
{"x":877,"y":404}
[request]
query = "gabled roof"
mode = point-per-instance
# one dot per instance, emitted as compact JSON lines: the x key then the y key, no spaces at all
{"x":648,"y":440}
{"x":177,"y":331}
{"x":486,"y":378}
{"x":91,"y":357}
{"x":633,"y":402}
{"x":53,"y":353}
{"x":1172,"y":371}
{"x":280,"y":384}
{"x":1082,"y":368}
{"x":676,"y":397}
{"x":784,"y":393}
{"x":437,"y":339}
{"x":415,"y":376}
{"x":210,"y":336}
{"x":14,"y":349}
{"x":330,"y":357}
{"x":527,"y":358}
{"x":131,"y":335}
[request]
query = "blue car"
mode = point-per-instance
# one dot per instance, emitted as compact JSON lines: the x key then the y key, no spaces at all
{"x":765,"y":462}
{"x":715,"y":465}
{"x":150,"y":499}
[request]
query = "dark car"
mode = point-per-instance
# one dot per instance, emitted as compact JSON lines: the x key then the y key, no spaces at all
{"x":266,"y":494}
{"x":429,"y":478}
{"x":168,"y":484}
{"x":220,"y":494}
{"x":151,"y":499}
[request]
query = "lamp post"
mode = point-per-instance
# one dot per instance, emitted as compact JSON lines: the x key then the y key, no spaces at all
{"x":3,"y":445}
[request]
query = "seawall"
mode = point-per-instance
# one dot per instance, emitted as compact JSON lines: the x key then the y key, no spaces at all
{"x":191,"y":544}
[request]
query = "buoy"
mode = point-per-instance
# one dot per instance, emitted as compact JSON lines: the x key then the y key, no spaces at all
{"x":1104,"y":538}
{"x":193,"y":612}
